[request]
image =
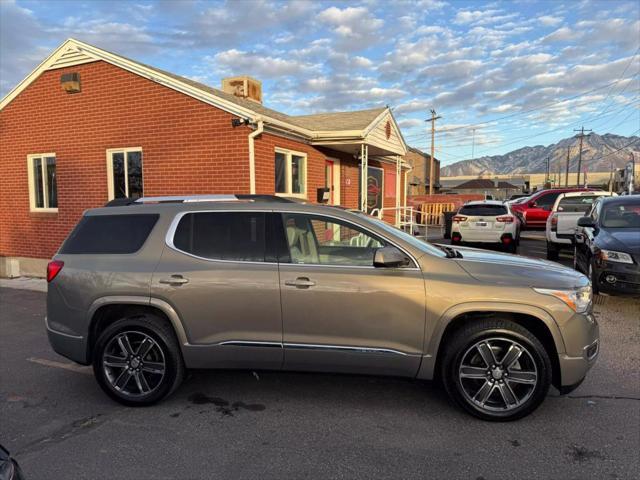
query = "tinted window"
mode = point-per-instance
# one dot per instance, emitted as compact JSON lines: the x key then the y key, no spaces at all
{"x":483,"y":210}
{"x":621,"y":215}
{"x":547,"y":200}
{"x":103,"y":234}
{"x":576,"y":204}
{"x":236,"y":236}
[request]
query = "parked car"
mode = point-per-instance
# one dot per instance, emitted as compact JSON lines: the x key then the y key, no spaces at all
{"x":9,"y":468}
{"x":146,"y":290}
{"x":607,"y":245}
{"x":563,"y":220}
{"x":533,"y":213}
{"x":485,"y":222}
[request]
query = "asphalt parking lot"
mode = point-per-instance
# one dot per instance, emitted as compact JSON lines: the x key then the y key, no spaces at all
{"x":59,"y":424}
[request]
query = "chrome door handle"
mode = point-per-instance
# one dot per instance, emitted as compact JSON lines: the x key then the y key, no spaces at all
{"x":300,"y":282}
{"x":174,"y":280}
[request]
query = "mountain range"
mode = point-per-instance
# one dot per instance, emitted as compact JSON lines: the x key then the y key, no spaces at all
{"x":599,"y":152}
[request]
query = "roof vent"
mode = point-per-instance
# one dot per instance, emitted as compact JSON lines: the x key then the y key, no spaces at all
{"x":243,"y":87}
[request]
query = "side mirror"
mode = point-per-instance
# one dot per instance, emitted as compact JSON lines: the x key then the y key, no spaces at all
{"x":586,"y":222}
{"x":389,"y":257}
{"x":532,"y":204}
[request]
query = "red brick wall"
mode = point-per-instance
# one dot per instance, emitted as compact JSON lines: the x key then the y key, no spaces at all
{"x":187,"y":147}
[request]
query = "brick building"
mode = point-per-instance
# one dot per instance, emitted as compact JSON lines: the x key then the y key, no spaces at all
{"x":88,"y":126}
{"x":419,"y":178}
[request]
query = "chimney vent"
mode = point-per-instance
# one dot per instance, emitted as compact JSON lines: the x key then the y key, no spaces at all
{"x":243,"y":87}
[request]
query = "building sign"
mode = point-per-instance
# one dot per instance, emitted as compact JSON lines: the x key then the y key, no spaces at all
{"x":375,"y":188}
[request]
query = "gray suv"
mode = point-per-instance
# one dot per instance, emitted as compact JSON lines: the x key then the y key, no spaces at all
{"x":148,"y":288}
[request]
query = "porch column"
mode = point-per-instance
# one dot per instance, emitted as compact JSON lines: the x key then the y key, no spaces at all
{"x":364,"y":163}
{"x":398,"y":183}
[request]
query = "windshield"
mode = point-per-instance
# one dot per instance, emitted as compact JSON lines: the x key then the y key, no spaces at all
{"x":621,"y":215}
{"x":483,"y":210}
{"x":417,"y":243}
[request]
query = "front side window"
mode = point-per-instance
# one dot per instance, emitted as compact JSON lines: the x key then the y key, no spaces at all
{"x":231,"y":236}
{"x":318,"y":240}
{"x":290,"y":173}
{"x":43,"y":186}
{"x":124,"y":168}
{"x":547,"y":200}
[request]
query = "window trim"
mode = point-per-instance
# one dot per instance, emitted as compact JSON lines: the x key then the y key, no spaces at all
{"x":109,"y":155}
{"x":168,"y":240}
{"x":32,"y":186}
{"x":288,"y":179}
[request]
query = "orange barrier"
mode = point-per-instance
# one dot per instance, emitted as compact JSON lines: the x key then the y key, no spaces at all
{"x":431,"y":213}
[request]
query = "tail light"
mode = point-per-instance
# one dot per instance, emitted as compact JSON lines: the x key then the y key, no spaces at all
{"x":554,"y":224}
{"x":53,"y":269}
{"x":505,"y":219}
{"x":459,"y":218}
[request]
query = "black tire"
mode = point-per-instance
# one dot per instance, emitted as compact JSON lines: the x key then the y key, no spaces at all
{"x":462,"y":343}
{"x":552,"y":252}
{"x":166,"y":348}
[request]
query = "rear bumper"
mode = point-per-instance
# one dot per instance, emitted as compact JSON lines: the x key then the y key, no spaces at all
{"x":71,"y":346}
{"x":480,"y":236}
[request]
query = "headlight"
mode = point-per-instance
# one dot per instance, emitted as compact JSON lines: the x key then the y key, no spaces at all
{"x":611,"y":256}
{"x":578,"y":300}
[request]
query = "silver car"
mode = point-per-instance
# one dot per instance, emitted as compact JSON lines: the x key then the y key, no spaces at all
{"x":147,"y":289}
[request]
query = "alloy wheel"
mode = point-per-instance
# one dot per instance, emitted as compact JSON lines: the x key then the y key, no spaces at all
{"x":133,"y":364}
{"x":497,"y":374}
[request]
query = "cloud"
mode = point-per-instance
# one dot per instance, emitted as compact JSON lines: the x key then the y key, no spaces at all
{"x":549,"y":20}
{"x":355,"y":27}
{"x":238,"y":62}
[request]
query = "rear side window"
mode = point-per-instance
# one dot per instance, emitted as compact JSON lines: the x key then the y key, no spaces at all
{"x":576,"y":204}
{"x":109,"y":234}
{"x":483,"y":210}
{"x":234,"y":236}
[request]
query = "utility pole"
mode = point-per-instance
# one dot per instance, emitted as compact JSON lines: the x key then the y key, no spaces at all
{"x":581,"y":136}
{"x":433,"y":136}
{"x":566,"y":173}
{"x":546,"y":176}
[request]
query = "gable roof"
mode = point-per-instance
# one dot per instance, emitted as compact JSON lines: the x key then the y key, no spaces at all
{"x":316,"y":126}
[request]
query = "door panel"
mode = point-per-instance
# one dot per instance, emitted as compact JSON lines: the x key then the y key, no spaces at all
{"x":230,"y":309}
{"x":343,"y":318}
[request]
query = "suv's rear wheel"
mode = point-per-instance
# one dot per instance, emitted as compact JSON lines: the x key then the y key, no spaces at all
{"x":137,"y":360}
{"x":496,"y":370}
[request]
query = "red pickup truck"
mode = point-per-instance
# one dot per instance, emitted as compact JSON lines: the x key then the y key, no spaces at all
{"x":534,"y":212}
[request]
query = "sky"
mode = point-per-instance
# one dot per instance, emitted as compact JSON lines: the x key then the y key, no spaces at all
{"x":502,"y":75}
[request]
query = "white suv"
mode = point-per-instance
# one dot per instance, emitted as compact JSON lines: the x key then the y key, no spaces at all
{"x":563,"y":219}
{"x":486,"y":222}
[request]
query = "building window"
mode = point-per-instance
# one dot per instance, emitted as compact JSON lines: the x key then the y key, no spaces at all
{"x":290,"y":173}
{"x":43,"y":185}
{"x":124,"y":172}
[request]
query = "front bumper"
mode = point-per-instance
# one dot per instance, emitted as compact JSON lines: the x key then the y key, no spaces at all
{"x":627,"y":278}
{"x":71,"y":346}
{"x":581,"y":355}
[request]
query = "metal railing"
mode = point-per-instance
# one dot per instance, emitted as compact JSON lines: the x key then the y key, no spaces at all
{"x":405,"y":219}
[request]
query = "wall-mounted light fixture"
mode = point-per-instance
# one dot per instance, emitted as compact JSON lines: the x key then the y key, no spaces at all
{"x":70,"y":82}
{"x":236,"y":122}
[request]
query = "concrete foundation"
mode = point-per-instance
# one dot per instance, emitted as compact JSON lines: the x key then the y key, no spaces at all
{"x":11,"y":267}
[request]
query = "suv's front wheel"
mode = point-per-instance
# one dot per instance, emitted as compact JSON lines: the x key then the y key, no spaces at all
{"x":496,"y":370}
{"x":137,"y":360}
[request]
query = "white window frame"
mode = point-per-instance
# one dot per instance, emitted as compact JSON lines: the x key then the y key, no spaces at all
{"x":32,"y":184}
{"x":287,"y":173}
{"x":126,"y":151}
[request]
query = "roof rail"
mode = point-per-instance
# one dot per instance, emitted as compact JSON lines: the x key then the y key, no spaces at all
{"x":203,"y":198}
